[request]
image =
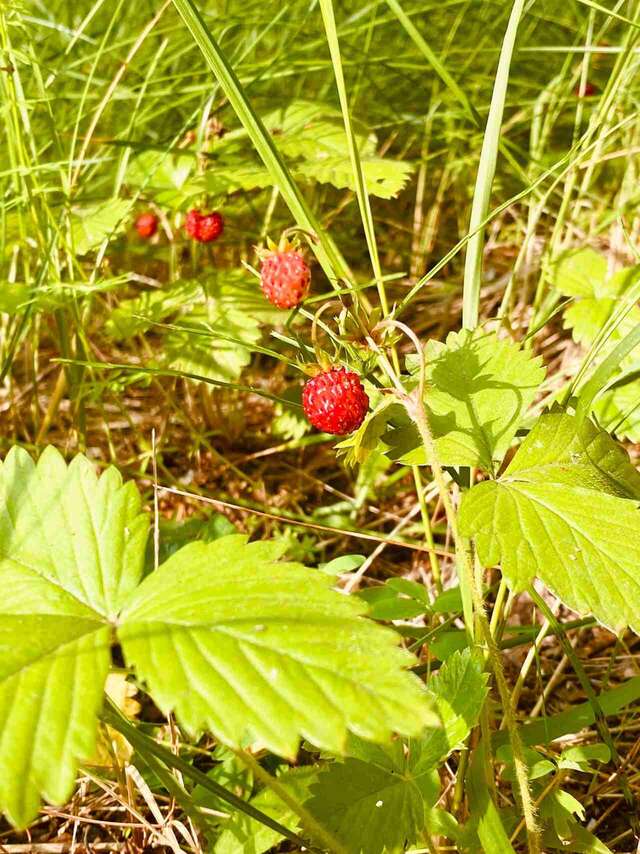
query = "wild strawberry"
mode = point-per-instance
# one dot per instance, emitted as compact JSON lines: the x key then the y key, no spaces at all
{"x":204,"y":227}
{"x":335,"y":401}
{"x":192,"y":223}
{"x":589,"y":90}
{"x":211,"y":227}
{"x":147,"y":224}
{"x":285,"y":278}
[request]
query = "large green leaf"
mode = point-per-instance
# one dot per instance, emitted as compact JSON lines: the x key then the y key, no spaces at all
{"x":71,"y":550}
{"x":312,"y":134}
{"x":266,"y":650}
{"x":565,"y":511}
{"x":478,"y":389}
{"x":383,"y":176}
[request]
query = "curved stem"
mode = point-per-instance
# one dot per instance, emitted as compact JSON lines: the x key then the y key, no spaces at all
{"x":416,"y":410}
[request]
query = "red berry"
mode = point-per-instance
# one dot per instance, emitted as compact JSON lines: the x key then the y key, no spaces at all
{"x":192,"y":223}
{"x":589,"y":90}
{"x":285,"y":278}
{"x":204,"y":227}
{"x":147,"y":224}
{"x":211,"y":227}
{"x":335,"y":401}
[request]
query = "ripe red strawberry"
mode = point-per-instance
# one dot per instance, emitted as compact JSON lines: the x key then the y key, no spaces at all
{"x":335,"y":401}
{"x":211,"y":227}
{"x":204,"y":227}
{"x":589,"y":90}
{"x":192,"y":223}
{"x":147,"y":224}
{"x":285,"y":278}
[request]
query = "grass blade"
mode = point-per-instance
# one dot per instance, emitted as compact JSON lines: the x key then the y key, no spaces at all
{"x":486,"y":172}
{"x":440,"y":69}
{"x":326,"y":7}
{"x":325,"y":250}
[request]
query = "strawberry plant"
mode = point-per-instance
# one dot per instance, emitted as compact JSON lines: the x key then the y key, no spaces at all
{"x":319,"y":494}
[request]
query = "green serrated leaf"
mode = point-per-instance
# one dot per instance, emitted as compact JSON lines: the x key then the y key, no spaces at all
{"x":266,"y":650}
{"x":478,"y":389}
{"x":71,"y":550}
{"x":212,"y":344}
{"x":166,"y":175}
{"x":580,"y":272}
{"x":92,"y":224}
{"x":52,"y":673}
{"x":459,"y":690}
{"x":137,"y":315}
{"x":383,"y":177}
{"x":376,"y":805}
{"x":563,"y":511}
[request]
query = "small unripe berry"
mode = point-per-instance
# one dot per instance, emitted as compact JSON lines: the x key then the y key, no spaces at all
{"x":335,"y":401}
{"x":147,"y":224}
{"x":285,"y":278}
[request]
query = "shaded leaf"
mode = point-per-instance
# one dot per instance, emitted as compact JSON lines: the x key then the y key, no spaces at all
{"x":244,"y":835}
{"x":376,"y":805}
{"x":478,"y":389}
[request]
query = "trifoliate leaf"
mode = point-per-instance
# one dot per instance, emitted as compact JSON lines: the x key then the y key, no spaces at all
{"x":478,"y":389}
{"x":71,"y":550}
{"x":266,"y":650}
{"x":244,"y":835}
{"x":565,"y":511}
{"x":91,"y":225}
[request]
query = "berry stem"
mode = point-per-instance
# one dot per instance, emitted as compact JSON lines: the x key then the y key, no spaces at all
{"x":414,"y":404}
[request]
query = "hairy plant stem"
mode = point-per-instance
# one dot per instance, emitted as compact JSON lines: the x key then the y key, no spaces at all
{"x":414,"y":404}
